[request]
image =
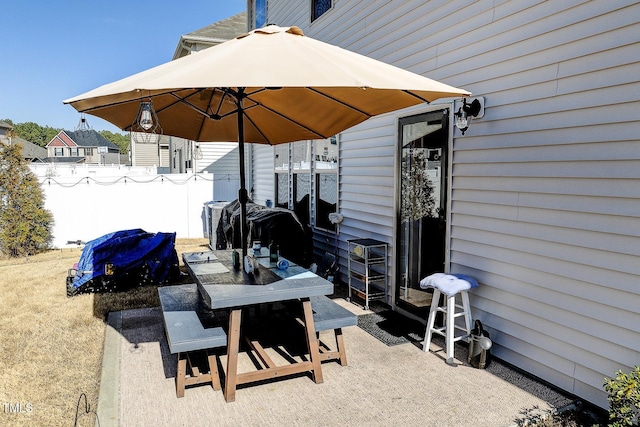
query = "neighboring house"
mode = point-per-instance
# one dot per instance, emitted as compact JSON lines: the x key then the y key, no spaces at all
{"x":30,"y":151}
{"x":211,"y":35}
{"x":151,"y":153}
{"x":538,"y":199}
{"x":4,"y":129}
{"x":82,"y":146}
{"x":177,"y":155}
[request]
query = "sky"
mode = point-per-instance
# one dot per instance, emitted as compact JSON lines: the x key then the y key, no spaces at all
{"x":55,"y":50}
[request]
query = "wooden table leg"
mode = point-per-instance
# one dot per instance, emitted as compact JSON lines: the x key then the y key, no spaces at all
{"x":233,"y":346}
{"x":312,"y":341}
{"x":181,"y":373}
{"x":340,"y":344}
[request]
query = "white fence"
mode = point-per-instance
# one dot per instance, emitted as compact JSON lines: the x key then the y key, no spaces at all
{"x":87,"y":203}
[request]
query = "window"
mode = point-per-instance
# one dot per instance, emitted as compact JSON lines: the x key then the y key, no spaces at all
{"x":74,"y":151}
{"x":326,"y":180}
{"x":281,"y":166}
{"x":306,"y":176}
{"x":261,"y":13}
{"x":318,"y":8}
{"x":58,"y":152}
{"x":301,"y":159}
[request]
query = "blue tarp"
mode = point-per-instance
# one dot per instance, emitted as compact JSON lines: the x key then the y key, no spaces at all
{"x":123,"y":259}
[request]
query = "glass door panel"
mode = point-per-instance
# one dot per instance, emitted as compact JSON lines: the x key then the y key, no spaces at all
{"x":422,"y":216}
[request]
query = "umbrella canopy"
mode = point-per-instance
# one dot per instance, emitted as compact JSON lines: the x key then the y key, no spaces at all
{"x":296,"y":88}
{"x":273,"y":85}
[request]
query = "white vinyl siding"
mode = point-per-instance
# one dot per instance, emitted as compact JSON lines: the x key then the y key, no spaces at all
{"x":262,"y":173}
{"x":219,"y":158}
{"x":545,"y":194}
{"x":367,"y":181}
{"x":145,"y":155}
{"x":222,"y":160}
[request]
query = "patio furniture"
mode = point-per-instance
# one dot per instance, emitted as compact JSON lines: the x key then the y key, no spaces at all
{"x":327,"y":315}
{"x":450,"y":286}
{"x":186,"y":335}
{"x":367,"y":267}
{"x":224,"y":288}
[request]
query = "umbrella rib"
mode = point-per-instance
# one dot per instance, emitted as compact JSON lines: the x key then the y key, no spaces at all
{"x":259,"y":104}
{"x":210,"y":116}
{"x":257,"y":128}
{"x":204,"y":113}
{"x":294,"y":122}
{"x":214,"y":116}
{"x":188,"y":104}
{"x":172,"y":93}
{"x":213,"y":92}
{"x":408,"y":92}
{"x":351,"y":107}
{"x":179,"y":99}
{"x":100,"y":107}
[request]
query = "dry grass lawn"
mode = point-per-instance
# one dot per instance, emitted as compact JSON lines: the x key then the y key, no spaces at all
{"x":51,"y":345}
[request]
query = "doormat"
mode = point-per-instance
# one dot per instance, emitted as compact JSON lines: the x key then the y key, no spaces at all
{"x":391,"y":328}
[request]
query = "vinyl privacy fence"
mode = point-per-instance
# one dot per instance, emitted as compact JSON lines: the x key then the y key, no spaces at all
{"x":89,"y":206}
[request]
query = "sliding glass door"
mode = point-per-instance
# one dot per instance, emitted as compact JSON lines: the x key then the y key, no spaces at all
{"x":421,"y":217}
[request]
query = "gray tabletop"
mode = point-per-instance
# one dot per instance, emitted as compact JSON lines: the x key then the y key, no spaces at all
{"x":221,"y":286}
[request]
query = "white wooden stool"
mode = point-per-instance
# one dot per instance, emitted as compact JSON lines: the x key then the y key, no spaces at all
{"x":451,"y":309}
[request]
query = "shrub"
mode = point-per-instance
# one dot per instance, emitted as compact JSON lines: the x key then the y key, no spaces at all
{"x":624,"y":398}
{"x":25,"y":225}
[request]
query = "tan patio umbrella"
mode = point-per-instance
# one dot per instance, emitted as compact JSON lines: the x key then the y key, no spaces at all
{"x":273,"y":85}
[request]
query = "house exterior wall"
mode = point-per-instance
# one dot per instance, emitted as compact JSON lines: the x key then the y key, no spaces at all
{"x":93,"y":156}
{"x":262,"y":173}
{"x":544,"y":188}
{"x":221,"y":159}
{"x":144,"y":154}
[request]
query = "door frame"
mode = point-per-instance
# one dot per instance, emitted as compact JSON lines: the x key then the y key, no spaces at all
{"x":396,"y":200}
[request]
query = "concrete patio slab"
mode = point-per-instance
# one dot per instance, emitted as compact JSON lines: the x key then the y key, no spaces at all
{"x":381,"y":386}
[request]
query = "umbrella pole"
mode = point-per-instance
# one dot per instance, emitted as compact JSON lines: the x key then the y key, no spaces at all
{"x":242,"y":193}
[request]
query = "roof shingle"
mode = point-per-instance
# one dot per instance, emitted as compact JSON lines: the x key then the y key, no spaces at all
{"x":89,"y":138}
{"x":226,"y":29}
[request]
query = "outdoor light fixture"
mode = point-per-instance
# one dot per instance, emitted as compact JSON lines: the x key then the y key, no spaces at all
{"x":198,"y":153}
{"x":146,"y":128}
{"x":146,"y":120}
{"x":466,"y":112}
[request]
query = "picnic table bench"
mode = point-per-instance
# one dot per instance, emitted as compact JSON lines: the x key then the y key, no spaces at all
{"x":328,"y":315}
{"x":186,"y":334}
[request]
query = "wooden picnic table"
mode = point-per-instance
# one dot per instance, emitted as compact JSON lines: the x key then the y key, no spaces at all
{"x":223,"y":287}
